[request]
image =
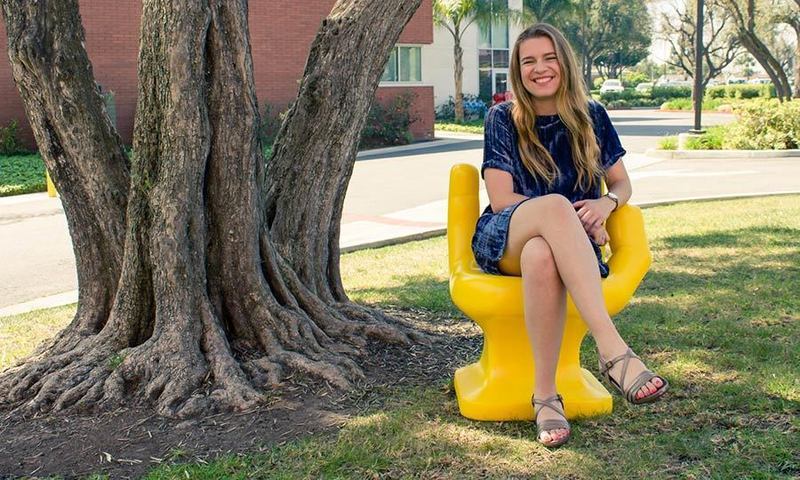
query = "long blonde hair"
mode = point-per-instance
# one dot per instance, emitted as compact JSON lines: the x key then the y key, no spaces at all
{"x":572,"y":103}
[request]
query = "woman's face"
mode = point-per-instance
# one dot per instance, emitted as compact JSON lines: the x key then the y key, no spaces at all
{"x":541,"y":72}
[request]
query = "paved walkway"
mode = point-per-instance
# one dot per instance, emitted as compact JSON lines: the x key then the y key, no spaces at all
{"x":394,"y":194}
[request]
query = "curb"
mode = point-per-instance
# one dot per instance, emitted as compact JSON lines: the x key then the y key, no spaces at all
{"x":434,"y":142}
{"x":720,"y":154}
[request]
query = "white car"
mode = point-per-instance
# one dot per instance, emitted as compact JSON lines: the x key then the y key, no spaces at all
{"x":611,"y":85}
{"x":759,"y":81}
{"x":644,"y":87}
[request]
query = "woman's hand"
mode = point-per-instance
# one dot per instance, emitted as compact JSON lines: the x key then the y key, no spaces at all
{"x":599,"y":235}
{"x":593,"y":213}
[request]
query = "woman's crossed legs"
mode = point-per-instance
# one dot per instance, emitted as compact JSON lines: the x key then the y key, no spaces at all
{"x":548,"y":246}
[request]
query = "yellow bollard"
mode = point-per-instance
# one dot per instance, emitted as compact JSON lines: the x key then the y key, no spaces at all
{"x":51,"y":187}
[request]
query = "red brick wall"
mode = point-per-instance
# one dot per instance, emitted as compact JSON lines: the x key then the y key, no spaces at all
{"x":281,"y":33}
{"x":112,"y":42}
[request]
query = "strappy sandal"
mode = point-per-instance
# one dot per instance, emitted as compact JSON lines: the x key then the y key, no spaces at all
{"x":638,"y":382}
{"x":553,"y":423}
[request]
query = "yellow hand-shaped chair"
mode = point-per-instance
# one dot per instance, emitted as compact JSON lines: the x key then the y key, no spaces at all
{"x":499,"y":385}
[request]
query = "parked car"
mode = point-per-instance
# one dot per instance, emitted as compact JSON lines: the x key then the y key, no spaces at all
{"x":611,"y":85}
{"x":734,"y":81}
{"x":644,"y":87}
{"x":759,"y":81}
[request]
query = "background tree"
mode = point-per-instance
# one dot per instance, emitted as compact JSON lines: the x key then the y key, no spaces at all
{"x":598,"y":26}
{"x":720,"y":38}
{"x":548,"y":11}
{"x":629,"y":42}
{"x":456,"y":16}
{"x":751,"y":18}
{"x":205,"y":272}
{"x":788,"y":12}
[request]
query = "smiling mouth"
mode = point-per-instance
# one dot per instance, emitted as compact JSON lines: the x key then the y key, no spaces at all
{"x":542,"y":80}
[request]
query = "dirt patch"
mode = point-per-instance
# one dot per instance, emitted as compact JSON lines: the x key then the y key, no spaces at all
{"x":128,"y":442}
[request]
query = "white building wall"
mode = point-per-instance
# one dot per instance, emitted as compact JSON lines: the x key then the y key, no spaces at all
{"x":438,"y":62}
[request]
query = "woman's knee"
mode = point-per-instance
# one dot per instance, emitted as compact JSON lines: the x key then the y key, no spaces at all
{"x":553,"y":205}
{"x":537,"y":257}
{"x":559,"y":205}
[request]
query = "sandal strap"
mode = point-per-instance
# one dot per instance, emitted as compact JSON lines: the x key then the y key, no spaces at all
{"x":639,"y":382}
{"x":607,"y":365}
{"x":552,"y":424}
{"x":548,"y":402}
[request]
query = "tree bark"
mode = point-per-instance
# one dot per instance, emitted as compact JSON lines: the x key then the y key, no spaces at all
{"x":458,"y":75}
{"x":757,"y":48}
{"x":79,"y":146}
{"x":206,"y":272}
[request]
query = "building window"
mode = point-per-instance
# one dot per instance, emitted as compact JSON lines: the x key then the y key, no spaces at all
{"x":404,"y":65}
{"x":493,"y":55}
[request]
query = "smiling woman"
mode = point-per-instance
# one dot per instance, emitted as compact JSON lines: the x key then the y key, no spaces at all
{"x":545,"y":156}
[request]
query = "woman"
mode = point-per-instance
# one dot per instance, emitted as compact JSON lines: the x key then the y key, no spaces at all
{"x":544,"y":157}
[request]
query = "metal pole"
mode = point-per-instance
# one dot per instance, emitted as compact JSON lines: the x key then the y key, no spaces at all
{"x":698,"y":70}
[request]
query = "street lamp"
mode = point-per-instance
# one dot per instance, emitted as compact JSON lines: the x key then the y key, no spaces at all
{"x":698,"y":70}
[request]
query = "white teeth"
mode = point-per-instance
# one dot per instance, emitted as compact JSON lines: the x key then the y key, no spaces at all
{"x":543,"y":80}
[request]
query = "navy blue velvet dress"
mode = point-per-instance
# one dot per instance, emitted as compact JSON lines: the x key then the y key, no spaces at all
{"x":500,"y":151}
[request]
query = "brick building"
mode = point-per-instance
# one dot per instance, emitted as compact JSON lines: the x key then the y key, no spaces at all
{"x":281,"y":32}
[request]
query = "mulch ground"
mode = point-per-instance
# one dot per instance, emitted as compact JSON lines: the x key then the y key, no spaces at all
{"x":128,"y":442}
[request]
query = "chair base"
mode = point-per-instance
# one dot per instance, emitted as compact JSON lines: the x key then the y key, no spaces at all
{"x":499,"y":399}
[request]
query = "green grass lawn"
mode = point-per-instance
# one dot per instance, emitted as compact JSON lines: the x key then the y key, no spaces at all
{"x":718,"y":314}
{"x":21,"y":174}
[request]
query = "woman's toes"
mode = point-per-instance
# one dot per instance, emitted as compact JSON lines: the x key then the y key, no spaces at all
{"x":658,"y":382}
{"x":545,"y":437}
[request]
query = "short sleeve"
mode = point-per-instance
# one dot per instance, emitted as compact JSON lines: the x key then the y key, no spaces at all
{"x":607,"y":138}
{"x":498,"y":141}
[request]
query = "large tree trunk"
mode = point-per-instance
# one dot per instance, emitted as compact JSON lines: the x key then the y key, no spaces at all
{"x":204,"y":275}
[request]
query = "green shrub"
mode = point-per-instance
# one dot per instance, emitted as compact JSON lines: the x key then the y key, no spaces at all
{"x":677,"y":104}
{"x":668,"y":143}
{"x":687,"y":104}
{"x":713,"y":139}
{"x":474,"y":109}
{"x":627,"y":94}
{"x":9,"y":139}
{"x":671,"y":92}
{"x":389,"y":124}
{"x":741,"y":91}
{"x":765,"y":125}
{"x":21,"y":174}
{"x":633,"y":102}
{"x":631,"y":78}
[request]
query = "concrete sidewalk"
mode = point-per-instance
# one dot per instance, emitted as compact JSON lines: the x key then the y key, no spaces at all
{"x":394,"y":195}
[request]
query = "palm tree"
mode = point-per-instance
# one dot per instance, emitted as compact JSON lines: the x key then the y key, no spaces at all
{"x":456,"y":16}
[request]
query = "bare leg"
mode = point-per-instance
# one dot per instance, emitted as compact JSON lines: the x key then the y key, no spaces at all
{"x":553,"y":218}
{"x":545,"y":299}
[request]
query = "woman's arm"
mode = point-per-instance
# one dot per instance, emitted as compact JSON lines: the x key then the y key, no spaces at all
{"x":500,"y":187}
{"x":594,"y":212}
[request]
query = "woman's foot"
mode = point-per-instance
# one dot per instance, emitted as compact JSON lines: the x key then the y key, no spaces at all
{"x":552,"y":428}
{"x":630,"y":376}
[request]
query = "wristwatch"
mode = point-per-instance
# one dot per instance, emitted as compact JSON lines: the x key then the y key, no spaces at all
{"x":613,"y":196}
